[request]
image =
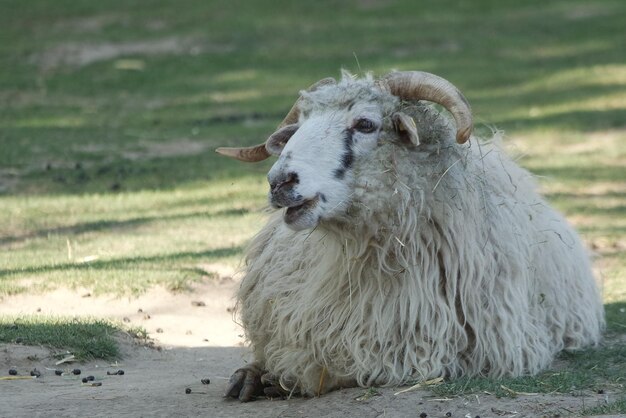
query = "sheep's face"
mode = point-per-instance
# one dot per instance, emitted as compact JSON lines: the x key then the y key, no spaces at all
{"x":314,"y":175}
{"x":339,"y":125}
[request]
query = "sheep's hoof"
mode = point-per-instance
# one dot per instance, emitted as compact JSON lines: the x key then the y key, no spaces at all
{"x":272,"y":388}
{"x":245,"y":383}
{"x":251,"y":381}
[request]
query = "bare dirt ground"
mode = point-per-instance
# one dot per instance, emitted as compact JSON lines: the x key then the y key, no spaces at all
{"x":197,"y":342}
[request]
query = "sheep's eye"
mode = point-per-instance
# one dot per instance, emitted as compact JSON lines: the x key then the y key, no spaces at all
{"x":365,"y":125}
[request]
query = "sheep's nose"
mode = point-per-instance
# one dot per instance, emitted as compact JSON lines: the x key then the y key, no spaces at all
{"x":283,"y":181}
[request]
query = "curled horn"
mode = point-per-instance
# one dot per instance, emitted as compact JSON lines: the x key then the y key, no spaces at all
{"x":419,"y":85}
{"x":259,"y":152}
{"x":247,"y":154}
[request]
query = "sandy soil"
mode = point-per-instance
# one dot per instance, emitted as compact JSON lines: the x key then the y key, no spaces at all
{"x":198,"y":342}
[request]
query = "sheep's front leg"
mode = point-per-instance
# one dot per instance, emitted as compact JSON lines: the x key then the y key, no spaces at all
{"x":251,"y":381}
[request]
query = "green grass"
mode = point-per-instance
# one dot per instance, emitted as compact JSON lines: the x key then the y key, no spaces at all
{"x":110,"y":111}
{"x":86,"y":339}
{"x":612,"y":408}
{"x":111,"y":158}
{"x":127,"y":242}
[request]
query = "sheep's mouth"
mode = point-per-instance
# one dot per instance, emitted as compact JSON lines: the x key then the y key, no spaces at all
{"x":293,"y":213}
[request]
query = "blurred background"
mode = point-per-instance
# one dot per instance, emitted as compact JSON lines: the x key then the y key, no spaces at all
{"x":110,"y":113}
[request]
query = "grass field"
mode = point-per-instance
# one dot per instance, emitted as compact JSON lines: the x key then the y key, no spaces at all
{"x":110,"y":111}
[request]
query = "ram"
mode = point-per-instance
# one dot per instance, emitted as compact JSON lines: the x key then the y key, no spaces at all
{"x":403,"y":248}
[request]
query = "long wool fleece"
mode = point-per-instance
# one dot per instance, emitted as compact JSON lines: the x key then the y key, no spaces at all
{"x":447,"y":263}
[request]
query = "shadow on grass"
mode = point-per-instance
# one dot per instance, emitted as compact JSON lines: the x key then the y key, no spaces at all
{"x":122,"y":175}
{"x":129,"y":261}
{"x":85,"y":227}
{"x":580,"y":173}
{"x":583,"y":121}
{"x":616,"y":317}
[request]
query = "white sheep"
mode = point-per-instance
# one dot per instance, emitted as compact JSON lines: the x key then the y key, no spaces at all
{"x":399,"y":254}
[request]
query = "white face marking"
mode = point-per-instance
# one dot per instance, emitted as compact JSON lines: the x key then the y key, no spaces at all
{"x":313,"y":177}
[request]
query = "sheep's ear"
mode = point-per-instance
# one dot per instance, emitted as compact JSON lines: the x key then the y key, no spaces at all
{"x":406,"y":128}
{"x":277,"y":141}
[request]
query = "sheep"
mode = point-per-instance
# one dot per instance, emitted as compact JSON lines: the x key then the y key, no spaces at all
{"x":399,"y":251}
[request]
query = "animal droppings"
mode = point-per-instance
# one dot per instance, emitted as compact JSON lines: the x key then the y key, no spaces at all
{"x":58,"y":372}
{"x":423,"y":415}
{"x":35,"y":373}
{"x":12,"y":372}
{"x":85,"y":380}
{"x":188,"y":391}
{"x":205,"y":381}
{"x":76,"y":371}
